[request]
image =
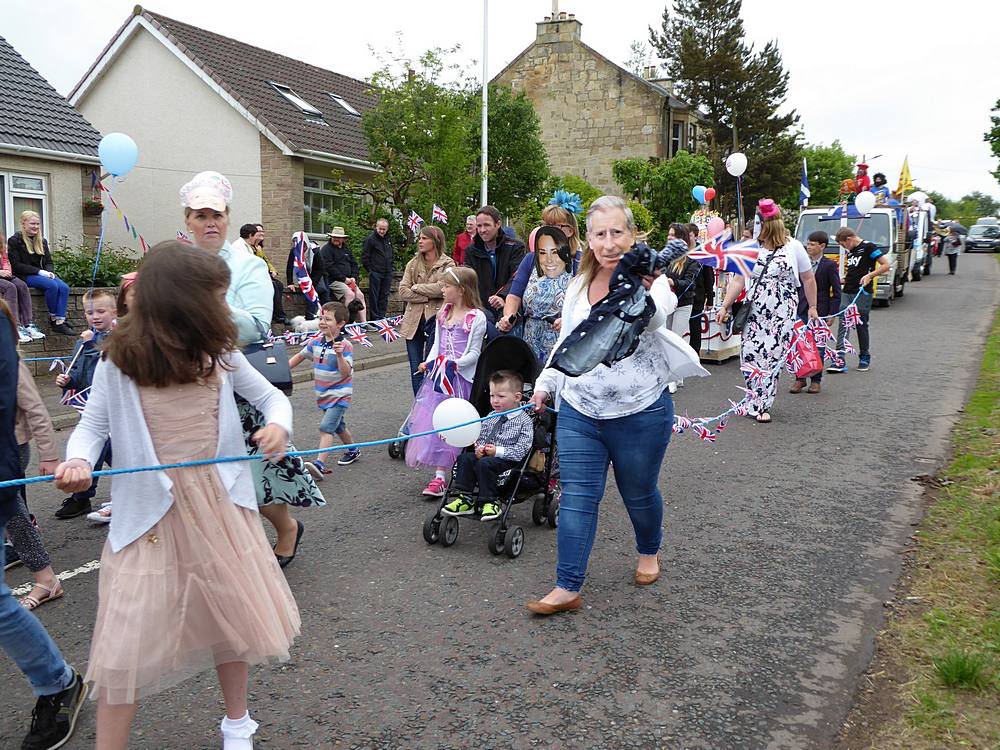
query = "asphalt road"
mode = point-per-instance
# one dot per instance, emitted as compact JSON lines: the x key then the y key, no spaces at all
{"x":782,"y":542}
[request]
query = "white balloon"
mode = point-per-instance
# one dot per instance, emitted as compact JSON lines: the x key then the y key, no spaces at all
{"x":455,"y":411}
{"x":736,"y":164}
{"x":864,"y":202}
{"x":920,"y":196}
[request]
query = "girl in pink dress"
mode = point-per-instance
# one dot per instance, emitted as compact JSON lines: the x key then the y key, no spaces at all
{"x":458,"y":340}
{"x":188,"y":580}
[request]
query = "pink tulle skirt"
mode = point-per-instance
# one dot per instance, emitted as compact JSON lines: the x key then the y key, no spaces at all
{"x":432,"y":451}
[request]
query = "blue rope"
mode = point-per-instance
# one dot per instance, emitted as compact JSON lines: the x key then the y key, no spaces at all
{"x":234,"y":459}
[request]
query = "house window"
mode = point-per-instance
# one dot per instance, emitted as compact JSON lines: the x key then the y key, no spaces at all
{"x":295,"y":99}
{"x":22,"y":192}
{"x":675,"y":139}
{"x":693,"y":138}
{"x":343,"y":103}
{"x":320,"y":196}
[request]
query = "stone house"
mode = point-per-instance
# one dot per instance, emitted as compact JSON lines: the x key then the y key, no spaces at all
{"x":593,"y":111}
{"x":47,"y":152}
{"x":193,"y":100}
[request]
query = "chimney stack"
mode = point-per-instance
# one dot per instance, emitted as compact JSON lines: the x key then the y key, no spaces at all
{"x":560,"y":26}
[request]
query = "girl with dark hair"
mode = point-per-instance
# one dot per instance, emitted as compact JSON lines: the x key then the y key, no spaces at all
{"x":546,"y":290}
{"x":188,"y":578}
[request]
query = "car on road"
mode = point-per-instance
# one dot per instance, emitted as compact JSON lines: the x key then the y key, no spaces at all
{"x":983,"y":238}
{"x":988,"y":220}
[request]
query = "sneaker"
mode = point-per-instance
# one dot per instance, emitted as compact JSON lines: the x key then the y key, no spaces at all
{"x":33,"y":331}
{"x":460,"y":506}
{"x":317,"y":469}
{"x":54,"y":717}
{"x":10,"y":556}
{"x":837,"y":368}
{"x":490,"y":511}
{"x":63,"y":328}
{"x":864,"y":363}
{"x":435,"y":487}
{"x":101,"y":516}
{"x":72,"y":507}
{"x":23,"y":335}
{"x":349,"y":457}
{"x":672,"y":387}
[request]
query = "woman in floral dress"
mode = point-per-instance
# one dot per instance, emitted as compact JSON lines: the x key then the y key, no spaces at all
{"x":546,"y":290}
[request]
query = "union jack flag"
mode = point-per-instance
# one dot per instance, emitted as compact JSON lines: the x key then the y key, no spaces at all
{"x":300,"y":243}
{"x":794,"y":362}
{"x":387,"y":331}
{"x":438,"y":214}
{"x":414,"y":222}
{"x":76,"y":399}
{"x":852,"y":316}
{"x":356,"y":334}
{"x":704,"y":433}
{"x":722,"y":253}
{"x":821,"y":332}
{"x":722,"y":425}
{"x":443,"y":375}
{"x":752,"y":374}
{"x":181,"y":237}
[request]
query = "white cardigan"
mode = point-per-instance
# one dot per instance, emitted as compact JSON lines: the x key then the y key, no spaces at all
{"x":633,"y":383}
{"x":142,"y":499}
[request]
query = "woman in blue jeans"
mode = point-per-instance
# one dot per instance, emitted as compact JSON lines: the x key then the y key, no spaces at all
{"x":30,"y":260}
{"x":620,"y":415}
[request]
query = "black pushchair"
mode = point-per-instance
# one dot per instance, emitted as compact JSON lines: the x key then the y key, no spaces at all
{"x":529,"y":480}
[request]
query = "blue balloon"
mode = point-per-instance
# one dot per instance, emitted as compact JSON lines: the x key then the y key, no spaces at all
{"x":698,"y":193}
{"x":118,"y":153}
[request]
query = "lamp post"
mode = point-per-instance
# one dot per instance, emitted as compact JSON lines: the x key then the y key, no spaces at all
{"x":484,"y":189}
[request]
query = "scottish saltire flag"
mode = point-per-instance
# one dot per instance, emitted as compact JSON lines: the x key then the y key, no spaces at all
{"x":414,"y":222}
{"x":443,"y":375}
{"x":438,"y":214}
{"x":300,"y":243}
{"x":725,"y":255}
{"x":804,"y":193}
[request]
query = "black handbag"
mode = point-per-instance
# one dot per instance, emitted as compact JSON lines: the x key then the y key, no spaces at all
{"x":741,"y":316}
{"x":270,"y":359}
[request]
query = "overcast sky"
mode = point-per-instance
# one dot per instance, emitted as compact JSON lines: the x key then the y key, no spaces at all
{"x":884,"y":78}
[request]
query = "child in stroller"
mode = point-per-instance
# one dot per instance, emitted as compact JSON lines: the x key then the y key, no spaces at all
{"x":504,"y":442}
{"x":500,"y":487}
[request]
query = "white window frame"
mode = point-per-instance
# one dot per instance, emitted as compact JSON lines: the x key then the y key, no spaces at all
{"x":10,"y":193}
{"x":344,"y":103}
{"x":297,"y":101}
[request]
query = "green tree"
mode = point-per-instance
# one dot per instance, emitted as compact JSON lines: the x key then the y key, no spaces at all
{"x":742,"y":92}
{"x":664,"y":186}
{"x":516,"y":160}
{"x":828,"y":166}
{"x":992,"y":137}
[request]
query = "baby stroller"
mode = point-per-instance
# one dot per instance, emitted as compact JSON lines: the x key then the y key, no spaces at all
{"x":529,"y":480}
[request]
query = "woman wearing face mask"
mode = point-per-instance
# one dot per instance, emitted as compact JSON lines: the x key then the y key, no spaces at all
{"x":546,"y":289}
{"x":31,"y":262}
{"x":206,"y":200}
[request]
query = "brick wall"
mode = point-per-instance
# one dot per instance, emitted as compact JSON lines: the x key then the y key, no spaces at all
{"x":281,"y":201}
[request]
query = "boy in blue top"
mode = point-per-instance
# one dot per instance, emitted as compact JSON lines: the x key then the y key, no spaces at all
{"x":101,"y":313}
{"x":333,"y":371}
{"x":865,"y":261}
{"x":504,"y":441}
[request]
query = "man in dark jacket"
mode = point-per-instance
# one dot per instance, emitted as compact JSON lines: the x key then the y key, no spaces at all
{"x":342,"y":274}
{"x":376,"y":257}
{"x":494,"y":256}
{"x":60,"y":688}
{"x":827,"y":298}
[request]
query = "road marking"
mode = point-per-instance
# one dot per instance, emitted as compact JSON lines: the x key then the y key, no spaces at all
{"x":65,"y":575}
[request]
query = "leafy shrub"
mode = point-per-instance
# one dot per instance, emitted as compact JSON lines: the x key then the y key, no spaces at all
{"x":74,"y":264}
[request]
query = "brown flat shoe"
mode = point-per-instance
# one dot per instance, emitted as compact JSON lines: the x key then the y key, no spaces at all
{"x":797,"y":386}
{"x":644,"y":579}
{"x":541,"y":608}
{"x":813,"y":388}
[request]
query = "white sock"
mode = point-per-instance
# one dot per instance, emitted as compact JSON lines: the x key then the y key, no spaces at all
{"x":239,"y":731}
{"x":439,"y":474}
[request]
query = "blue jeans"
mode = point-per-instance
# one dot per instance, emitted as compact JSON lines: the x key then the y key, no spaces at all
{"x":586,"y":446}
{"x":56,"y":293}
{"x":379,"y":284}
{"x":417,"y":349}
{"x":333,"y":420}
{"x":28,"y":644}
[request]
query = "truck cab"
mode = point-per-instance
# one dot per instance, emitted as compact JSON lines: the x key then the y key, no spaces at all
{"x":882,"y":226}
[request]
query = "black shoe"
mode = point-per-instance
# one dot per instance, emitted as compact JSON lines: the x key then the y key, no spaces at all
{"x":73,"y":507}
{"x":10,"y":556}
{"x":285,"y":560}
{"x":64,"y":328}
{"x":54,"y":717}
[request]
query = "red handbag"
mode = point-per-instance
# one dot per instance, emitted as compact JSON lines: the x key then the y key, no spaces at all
{"x":806,"y":355}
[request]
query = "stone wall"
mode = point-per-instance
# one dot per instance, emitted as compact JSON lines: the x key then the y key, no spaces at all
{"x":592,"y":112}
{"x":281,"y":180}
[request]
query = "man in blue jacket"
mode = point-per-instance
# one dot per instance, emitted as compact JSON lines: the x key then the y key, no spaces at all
{"x":59,"y":688}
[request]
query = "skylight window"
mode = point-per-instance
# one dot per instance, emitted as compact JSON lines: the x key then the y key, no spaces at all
{"x":295,"y":99}
{"x":343,"y":103}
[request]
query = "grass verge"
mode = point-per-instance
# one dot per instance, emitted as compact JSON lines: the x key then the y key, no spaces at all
{"x":935,"y":682}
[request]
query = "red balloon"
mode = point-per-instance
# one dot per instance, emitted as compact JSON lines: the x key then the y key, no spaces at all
{"x":709,"y":194}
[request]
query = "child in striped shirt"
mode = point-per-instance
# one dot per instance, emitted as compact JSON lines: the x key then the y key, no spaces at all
{"x":333,"y":371}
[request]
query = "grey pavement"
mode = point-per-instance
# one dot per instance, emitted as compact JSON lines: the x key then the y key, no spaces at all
{"x":782,"y":542}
